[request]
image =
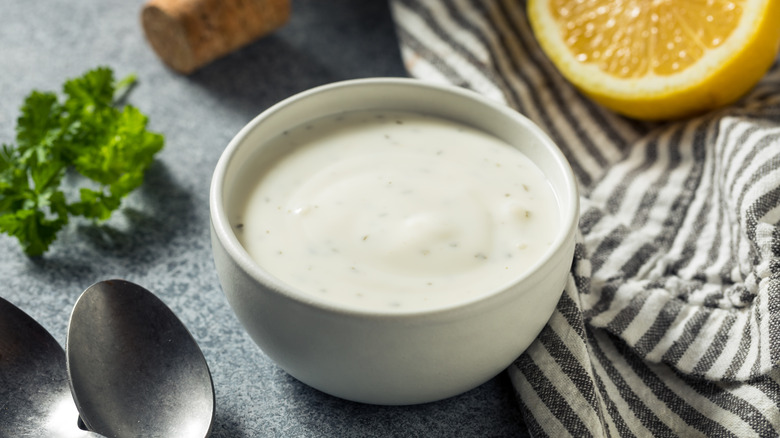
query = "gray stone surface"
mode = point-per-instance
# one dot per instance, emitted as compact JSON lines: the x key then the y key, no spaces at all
{"x":160,"y":238}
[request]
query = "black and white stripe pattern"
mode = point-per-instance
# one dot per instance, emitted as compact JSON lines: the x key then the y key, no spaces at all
{"x":670,"y":322}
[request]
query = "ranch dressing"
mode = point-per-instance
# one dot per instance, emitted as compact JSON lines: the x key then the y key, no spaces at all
{"x":396,"y":211}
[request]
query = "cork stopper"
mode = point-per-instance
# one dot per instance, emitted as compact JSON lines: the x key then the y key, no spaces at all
{"x":188,"y":34}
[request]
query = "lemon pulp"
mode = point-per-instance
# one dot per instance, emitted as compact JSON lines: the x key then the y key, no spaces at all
{"x":659,"y":59}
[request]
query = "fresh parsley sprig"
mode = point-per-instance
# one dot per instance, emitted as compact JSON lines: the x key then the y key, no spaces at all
{"x":107,"y":145}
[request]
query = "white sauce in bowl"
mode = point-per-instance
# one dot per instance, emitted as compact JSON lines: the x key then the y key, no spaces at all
{"x":395,"y":211}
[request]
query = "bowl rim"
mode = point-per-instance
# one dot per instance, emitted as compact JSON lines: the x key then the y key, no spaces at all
{"x":236,"y":252}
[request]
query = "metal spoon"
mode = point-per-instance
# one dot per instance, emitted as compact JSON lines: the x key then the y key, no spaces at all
{"x":134,"y":368}
{"x":35,"y":398}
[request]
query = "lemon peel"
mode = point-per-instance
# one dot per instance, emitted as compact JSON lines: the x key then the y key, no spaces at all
{"x":659,"y":59}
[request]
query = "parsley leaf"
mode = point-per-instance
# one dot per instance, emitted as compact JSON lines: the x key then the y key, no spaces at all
{"x":107,"y":146}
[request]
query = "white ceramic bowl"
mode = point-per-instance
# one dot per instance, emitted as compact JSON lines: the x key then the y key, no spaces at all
{"x":392,"y":358}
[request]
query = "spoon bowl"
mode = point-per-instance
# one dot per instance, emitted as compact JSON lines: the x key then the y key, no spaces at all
{"x":34,"y":391}
{"x":134,"y":368}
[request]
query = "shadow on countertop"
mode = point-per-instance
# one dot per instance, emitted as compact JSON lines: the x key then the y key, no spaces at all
{"x":319,"y":414}
{"x":308,"y":51}
{"x":146,"y":223}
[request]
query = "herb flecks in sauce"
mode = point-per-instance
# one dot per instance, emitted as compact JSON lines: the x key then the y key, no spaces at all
{"x":401,"y":208}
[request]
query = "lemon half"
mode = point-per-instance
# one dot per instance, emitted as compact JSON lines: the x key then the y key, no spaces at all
{"x":659,"y":59}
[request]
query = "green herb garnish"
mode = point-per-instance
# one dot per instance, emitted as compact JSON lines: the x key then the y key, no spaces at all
{"x":107,"y":145}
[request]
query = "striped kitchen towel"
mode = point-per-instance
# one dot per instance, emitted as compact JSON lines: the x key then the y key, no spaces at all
{"x":670,"y":322}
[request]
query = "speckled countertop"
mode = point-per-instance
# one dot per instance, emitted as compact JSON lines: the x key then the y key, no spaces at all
{"x":160,"y":238}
